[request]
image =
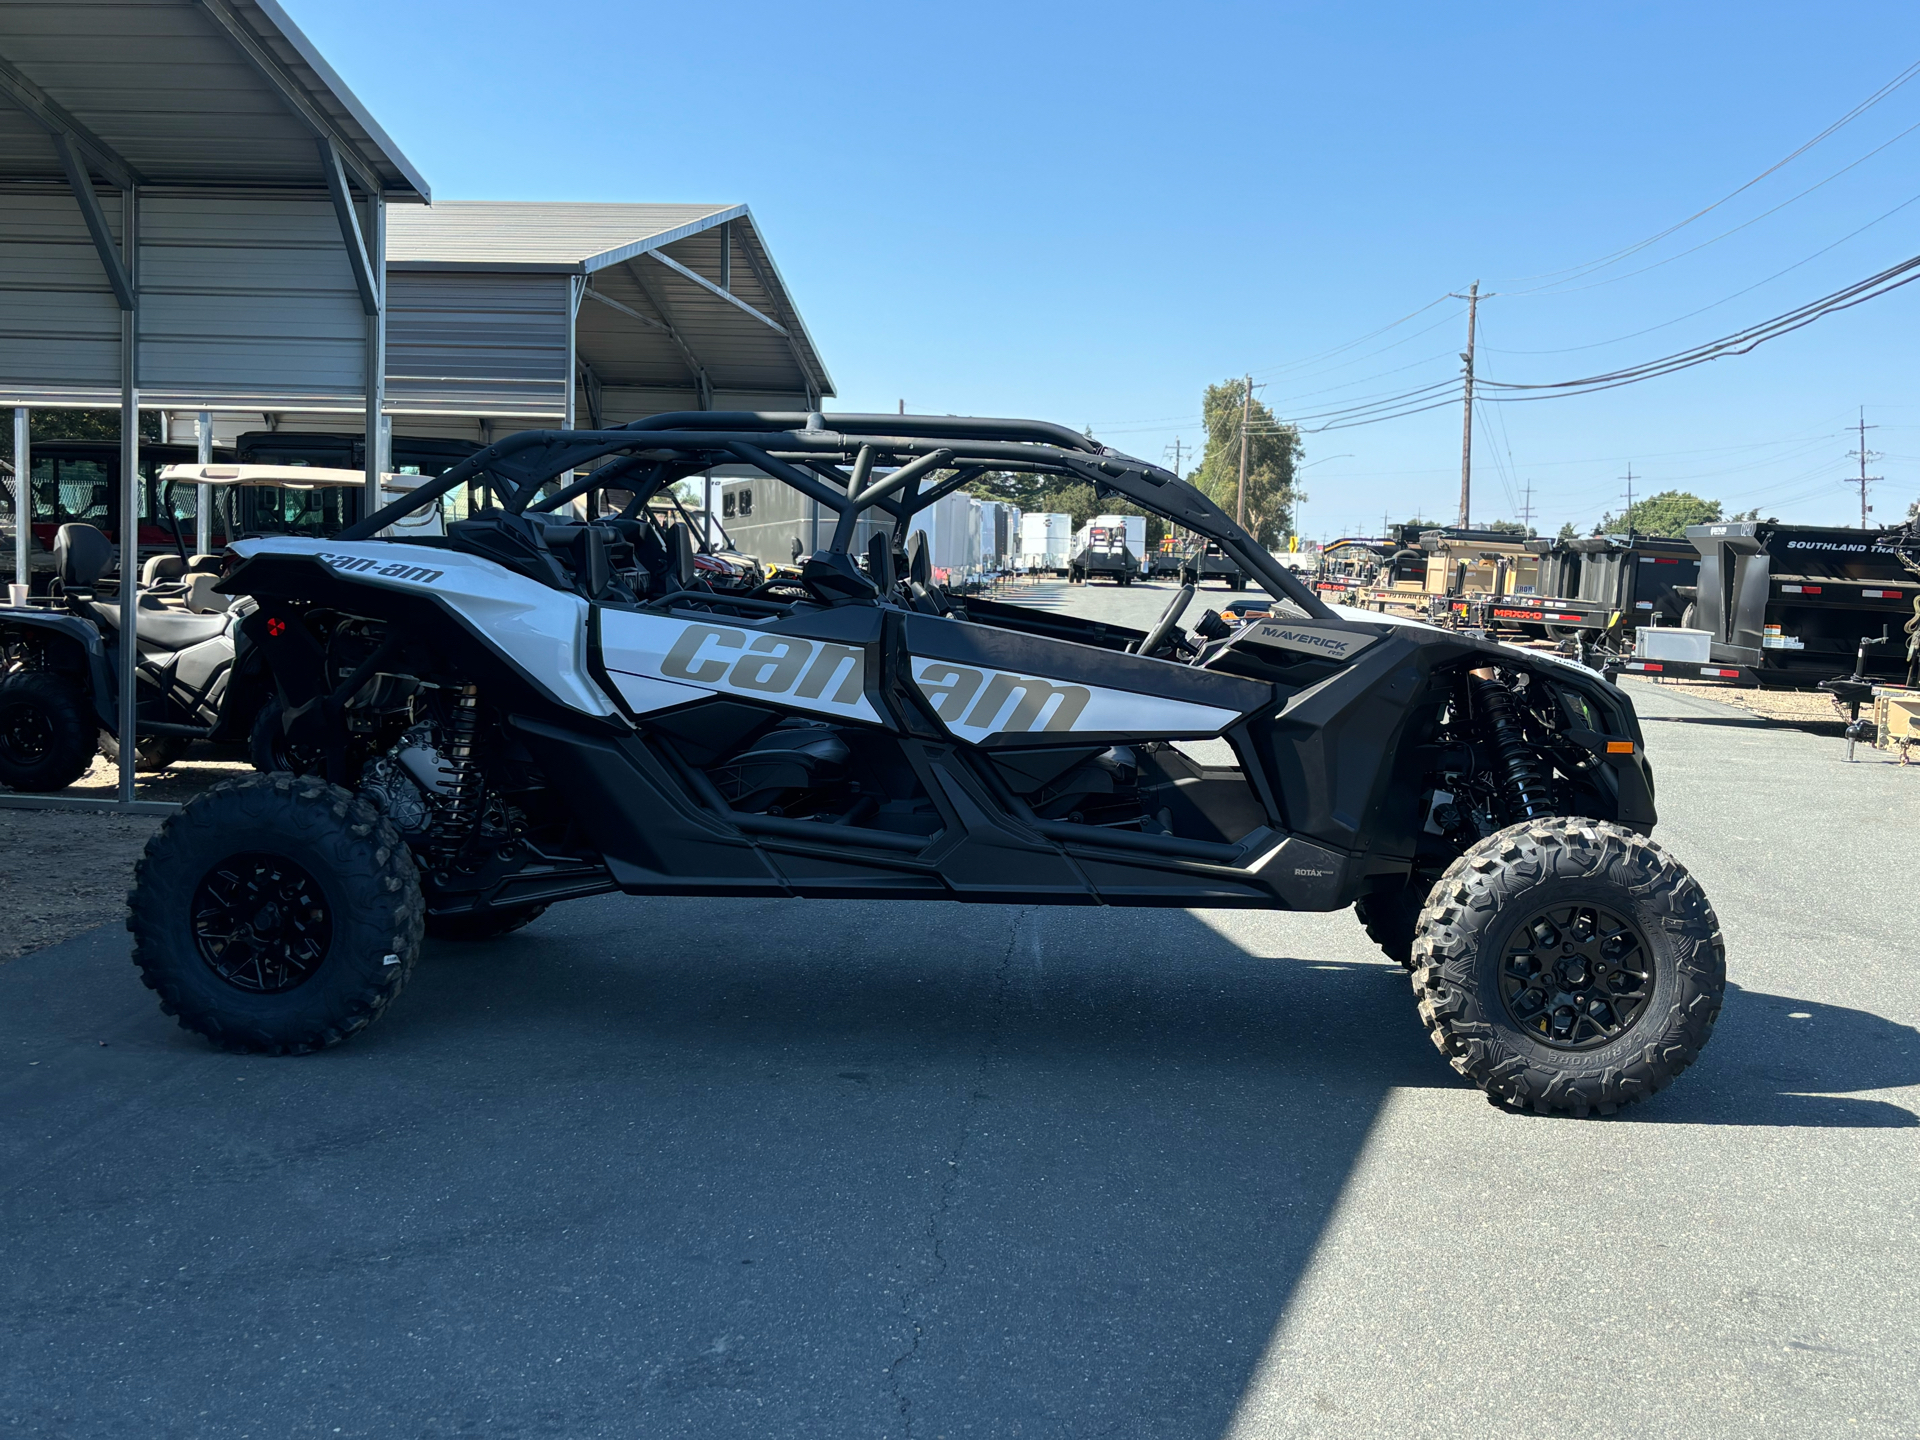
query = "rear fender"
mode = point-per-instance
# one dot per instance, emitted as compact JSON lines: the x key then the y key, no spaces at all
{"x":73,"y":647}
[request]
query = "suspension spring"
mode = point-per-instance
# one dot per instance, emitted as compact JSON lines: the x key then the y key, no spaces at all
{"x":456,"y":817}
{"x":1524,"y":782}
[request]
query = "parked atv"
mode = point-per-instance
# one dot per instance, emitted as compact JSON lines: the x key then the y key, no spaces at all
{"x":545,"y":708}
{"x":58,"y":693}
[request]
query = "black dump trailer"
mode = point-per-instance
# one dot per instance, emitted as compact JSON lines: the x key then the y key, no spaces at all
{"x":1647,"y":578}
{"x":1105,"y":553}
{"x":1788,"y":605}
{"x":1209,"y":562}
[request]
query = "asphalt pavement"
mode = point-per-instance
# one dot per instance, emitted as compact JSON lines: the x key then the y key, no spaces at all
{"x":820,"y":1168}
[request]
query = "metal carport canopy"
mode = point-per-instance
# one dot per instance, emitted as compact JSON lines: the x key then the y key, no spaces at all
{"x":192,"y":215}
{"x":496,"y":306}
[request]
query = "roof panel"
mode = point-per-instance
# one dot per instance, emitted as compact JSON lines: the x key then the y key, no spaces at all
{"x":498,"y":234}
{"x":163,"y":83}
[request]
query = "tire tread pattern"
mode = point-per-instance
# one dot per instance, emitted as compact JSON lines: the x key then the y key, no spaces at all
{"x":1493,"y":875}
{"x":377,"y":885}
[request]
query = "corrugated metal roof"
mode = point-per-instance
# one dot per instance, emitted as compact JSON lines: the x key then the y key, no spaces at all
{"x":732,"y":317}
{"x":576,"y":237}
{"x":185,"y":92}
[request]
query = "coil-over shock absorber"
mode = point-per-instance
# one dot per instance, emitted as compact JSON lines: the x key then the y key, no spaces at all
{"x":1524,"y":783}
{"x":455,"y":818}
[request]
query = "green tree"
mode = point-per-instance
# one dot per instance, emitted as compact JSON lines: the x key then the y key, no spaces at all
{"x":1567,"y":531}
{"x":1509,"y":527}
{"x":1273,"y":453}
{"x":1669,"y":513}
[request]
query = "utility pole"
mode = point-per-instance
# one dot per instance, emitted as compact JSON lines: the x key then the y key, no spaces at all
{"x":1629,"y":517}
{"x":1473,"y":299}
{"x":1176,"y":447}
{"x":1527,"y":507}
{"x":1384,"y":524}
{"x":1240,"y":489}
{"x":1861,"y":429}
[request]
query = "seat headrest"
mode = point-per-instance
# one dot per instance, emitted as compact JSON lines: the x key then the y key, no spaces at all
{"x":680,"y":547}
{"x":920,"y":566}
{"x":159,"y":569}
{"x":880,"y":562}
{"x":80,"y":554}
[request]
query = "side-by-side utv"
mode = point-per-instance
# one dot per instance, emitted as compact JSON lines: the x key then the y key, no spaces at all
{"x":533,"y":708}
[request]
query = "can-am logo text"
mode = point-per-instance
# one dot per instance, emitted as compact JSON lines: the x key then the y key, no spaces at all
{"x":391,"y":570}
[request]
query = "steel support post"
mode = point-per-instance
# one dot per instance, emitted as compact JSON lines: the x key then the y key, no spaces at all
{"x":129,"y":488}
{"x":375,"y":445}
{"x":203,"y":493}
{"x":22,"y":496}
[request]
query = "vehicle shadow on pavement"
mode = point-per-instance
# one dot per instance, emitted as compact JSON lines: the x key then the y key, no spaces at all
{"x":1778,"y":1061}
{"x":685,"y":1167}
{"x":741,"y":1168}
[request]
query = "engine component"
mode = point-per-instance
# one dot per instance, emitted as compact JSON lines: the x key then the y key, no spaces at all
{"x":1524,"y":784}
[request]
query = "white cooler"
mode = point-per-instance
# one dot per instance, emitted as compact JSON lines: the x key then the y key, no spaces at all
{"x":1671,"y":643}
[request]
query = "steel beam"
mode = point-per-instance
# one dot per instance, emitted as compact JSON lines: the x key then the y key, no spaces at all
{"x":89,"y":202}
{"x":22,"y":495}
{"x":365,"y":281}
{"x":203,"y":493}
{"x":626,"y":310}
{"x":374,"y":447}
{"x":291,"y":93}
{"x":51,"y":117}
{"x":129,"y":637}
{"x":773,"y":291}
{"x":659,"y":301}
{"x":712,"y":289}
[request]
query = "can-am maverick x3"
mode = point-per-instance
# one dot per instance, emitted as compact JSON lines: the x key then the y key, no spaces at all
{"x":533,"y":708}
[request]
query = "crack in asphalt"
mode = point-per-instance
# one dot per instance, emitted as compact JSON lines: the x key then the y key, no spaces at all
{"x":913,"y":1298}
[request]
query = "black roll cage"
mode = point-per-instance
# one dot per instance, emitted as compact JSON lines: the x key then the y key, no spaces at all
{"x":808,"y":450}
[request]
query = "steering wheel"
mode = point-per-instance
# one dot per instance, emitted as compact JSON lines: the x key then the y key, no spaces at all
{"x":1176,"y":608}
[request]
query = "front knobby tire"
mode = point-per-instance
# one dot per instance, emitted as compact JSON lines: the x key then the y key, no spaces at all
{"x":1568,"y":966}
{"x":276,"y":914}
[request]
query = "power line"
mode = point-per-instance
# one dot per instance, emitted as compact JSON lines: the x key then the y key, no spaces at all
{"x":1739,"y":343}
{"x":1598,"y":344}
{"x":1680,"y":254}
{"x":1589,"y":267}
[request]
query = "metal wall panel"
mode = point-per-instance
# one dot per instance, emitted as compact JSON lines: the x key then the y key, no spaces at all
{"x":477,"y":344}
{"x":59,"y":325}
{"x":247,"y":302}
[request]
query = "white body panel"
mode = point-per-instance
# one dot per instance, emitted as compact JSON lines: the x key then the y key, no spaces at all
{"x":975,"y":703}
{"x":543,"y":631}
{"x":661,"y":661}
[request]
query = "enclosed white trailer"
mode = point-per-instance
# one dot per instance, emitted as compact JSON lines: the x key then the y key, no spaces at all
{"x":1046,"y":541}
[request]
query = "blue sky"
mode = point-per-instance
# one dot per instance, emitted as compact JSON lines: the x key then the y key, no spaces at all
{"x":1087,"y":213}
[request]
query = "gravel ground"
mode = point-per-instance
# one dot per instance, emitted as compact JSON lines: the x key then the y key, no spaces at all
{"x":64,"y":871}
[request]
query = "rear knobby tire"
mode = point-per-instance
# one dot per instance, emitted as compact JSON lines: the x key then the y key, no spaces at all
{"x":483,"y":925}
{"x":1471,"y":954}
{"x":1390,"y":916}
{"x":351,"y":921}
{"x":47,"y":731}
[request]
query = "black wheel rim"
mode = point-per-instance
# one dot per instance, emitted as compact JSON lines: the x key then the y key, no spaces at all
{"x":1577,"y":976}
{"x":261,"y":922}
{"x":26,"y":735}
